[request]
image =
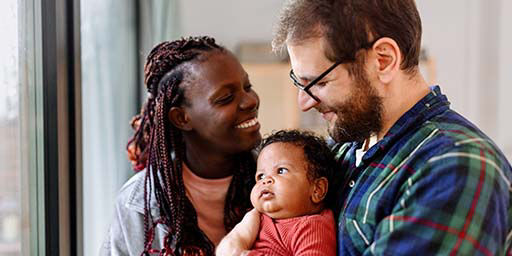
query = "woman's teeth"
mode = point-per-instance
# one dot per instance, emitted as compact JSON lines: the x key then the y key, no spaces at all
{"x":247,"y":124}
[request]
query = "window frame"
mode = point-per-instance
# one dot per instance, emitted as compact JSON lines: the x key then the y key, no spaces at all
{"x":50,"y":120}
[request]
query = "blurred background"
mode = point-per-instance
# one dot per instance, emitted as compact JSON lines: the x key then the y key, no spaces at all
{"x":63,"y":137}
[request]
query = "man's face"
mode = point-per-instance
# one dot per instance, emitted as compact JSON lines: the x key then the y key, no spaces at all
{"x":350,"y":104}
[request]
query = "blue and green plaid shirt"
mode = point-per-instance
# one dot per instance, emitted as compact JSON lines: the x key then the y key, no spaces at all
{"x":434,"y":185}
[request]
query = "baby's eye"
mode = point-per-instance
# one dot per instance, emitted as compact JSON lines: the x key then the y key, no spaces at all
{"x":282,"y":170}
{"x":260,"y":176}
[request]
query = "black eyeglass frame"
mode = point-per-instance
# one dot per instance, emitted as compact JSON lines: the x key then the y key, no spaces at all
{"x":306,"y":88}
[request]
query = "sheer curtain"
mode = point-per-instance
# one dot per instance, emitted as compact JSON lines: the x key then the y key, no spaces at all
{"x":159,"y":21}
{"x":109,"y":96}
{"x":116,"y":35}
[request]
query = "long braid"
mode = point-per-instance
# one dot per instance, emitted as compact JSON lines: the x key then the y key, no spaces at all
{"x":159,"y":147}
{"x":236,"y":194}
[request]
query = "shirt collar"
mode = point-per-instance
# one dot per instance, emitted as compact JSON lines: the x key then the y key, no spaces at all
{"x":432,"y":104}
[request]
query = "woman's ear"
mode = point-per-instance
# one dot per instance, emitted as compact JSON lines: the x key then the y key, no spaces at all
{"x":179,"y":118}
{"x":320,"y":188}
{"x":388,"y":59}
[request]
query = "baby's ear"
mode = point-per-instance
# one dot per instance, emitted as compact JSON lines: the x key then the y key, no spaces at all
{"x":319,"y":190}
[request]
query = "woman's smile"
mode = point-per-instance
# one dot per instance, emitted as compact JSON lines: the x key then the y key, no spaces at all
{"x":248,"y":124}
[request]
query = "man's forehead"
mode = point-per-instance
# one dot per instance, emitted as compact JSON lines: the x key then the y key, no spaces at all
{"x":308,"y":58}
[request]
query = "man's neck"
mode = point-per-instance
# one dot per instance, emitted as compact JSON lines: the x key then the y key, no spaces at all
{"x":368,"y":143}
{"x":400,"y":98}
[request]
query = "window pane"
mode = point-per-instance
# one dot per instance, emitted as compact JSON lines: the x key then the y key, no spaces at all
{"x":10,"y":194}
{"x":20,"y":131}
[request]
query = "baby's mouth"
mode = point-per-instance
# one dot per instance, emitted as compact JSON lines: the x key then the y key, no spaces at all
{"x":266,"y":194}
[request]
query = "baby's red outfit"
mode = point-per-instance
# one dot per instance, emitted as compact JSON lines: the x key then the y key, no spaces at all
{"x":305,"y":235}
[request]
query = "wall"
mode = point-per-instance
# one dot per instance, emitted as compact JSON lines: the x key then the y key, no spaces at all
{"x":505,"y":79}
{"x":231,"y":21}
{"x":467,"y":38}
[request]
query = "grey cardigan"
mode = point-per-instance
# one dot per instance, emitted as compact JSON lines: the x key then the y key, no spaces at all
{"x":126,"y":233}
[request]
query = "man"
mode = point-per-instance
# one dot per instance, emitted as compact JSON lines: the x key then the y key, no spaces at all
{"x":417,"y":178}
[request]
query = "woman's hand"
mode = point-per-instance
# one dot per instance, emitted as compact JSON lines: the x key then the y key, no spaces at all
{"x":240,"y":240}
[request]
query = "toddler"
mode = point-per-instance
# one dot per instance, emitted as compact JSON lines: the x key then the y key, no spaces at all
{"x":291,"y":193}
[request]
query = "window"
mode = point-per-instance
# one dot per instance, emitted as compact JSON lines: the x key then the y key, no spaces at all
{"x":10,"y":192}
{"x":19,"y":131}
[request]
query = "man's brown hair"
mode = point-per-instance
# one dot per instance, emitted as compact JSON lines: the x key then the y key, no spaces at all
{"x":349,"y":25}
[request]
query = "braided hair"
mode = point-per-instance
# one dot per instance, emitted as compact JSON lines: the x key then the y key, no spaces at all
{"x":159,"y":147}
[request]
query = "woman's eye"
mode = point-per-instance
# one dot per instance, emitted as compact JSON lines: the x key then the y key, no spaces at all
{"x":248,"y":87}
{"x":226,"y":99}
{"x":282,"y":171}
{"x":260,"y":176}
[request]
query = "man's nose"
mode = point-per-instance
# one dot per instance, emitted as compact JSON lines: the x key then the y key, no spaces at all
{"x":305,"y":101}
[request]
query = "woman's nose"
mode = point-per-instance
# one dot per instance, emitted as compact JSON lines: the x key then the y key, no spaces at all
{"x":249,"y":101}
{"x":305,"y":101}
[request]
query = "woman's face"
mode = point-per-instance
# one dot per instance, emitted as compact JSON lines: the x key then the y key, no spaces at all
{"x":221,"y":105}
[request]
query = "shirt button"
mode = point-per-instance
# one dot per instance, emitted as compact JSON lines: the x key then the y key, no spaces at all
{"x":427,"y":105}
{"x":351,"y":183}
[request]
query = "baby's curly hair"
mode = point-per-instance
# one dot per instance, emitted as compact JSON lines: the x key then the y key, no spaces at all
{"x":320,"y":159}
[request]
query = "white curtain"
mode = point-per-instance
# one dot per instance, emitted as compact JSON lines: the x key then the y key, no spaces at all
{"x":159,"y":21}
{"x":109,"y":96}
{"x":116,"y":35}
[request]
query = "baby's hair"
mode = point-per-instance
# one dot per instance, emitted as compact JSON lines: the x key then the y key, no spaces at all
{"x":320,"y":159}
{"x":159,"y":147}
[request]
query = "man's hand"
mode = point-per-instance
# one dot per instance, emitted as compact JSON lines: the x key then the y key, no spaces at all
{"x":241,"y":238}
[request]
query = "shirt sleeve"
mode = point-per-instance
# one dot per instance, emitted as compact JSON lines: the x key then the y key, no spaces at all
{"x":315,"y":236}
{"x":456,"y":204}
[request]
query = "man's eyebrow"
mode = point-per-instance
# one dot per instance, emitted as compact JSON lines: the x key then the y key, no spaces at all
{"x":307,"y":78}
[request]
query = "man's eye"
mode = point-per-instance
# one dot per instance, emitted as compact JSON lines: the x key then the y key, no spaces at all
{"x":282,"y":171}
{"x":323,"y":83}
{"x":260,"y":176}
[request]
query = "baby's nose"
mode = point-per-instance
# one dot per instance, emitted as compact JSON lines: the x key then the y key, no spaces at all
{"x":268,"y":180}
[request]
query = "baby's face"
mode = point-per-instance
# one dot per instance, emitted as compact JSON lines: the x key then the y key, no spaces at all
{"x":282,"y":188}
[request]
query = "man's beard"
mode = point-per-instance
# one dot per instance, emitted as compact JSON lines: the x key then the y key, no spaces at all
{"x":360,"y":115}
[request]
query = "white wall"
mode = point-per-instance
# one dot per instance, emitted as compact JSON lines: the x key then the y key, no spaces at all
{"x":230,"y":21}
{"x":505,"y":79}
{"x":469,"y":40}
{"x":444,"y":37}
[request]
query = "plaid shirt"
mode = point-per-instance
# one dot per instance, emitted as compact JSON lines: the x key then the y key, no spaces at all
{"x":434,"y":185}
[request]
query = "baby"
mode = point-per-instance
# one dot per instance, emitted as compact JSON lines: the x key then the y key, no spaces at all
{"x":292,"y":177}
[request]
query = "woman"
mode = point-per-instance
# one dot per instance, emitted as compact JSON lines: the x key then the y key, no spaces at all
{"x":194,"y":138}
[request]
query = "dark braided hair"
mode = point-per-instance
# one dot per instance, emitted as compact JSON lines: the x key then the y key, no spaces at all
{"x":159,"y":147}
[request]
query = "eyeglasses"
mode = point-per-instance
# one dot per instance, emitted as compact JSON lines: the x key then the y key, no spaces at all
{"x":306,"y":88}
